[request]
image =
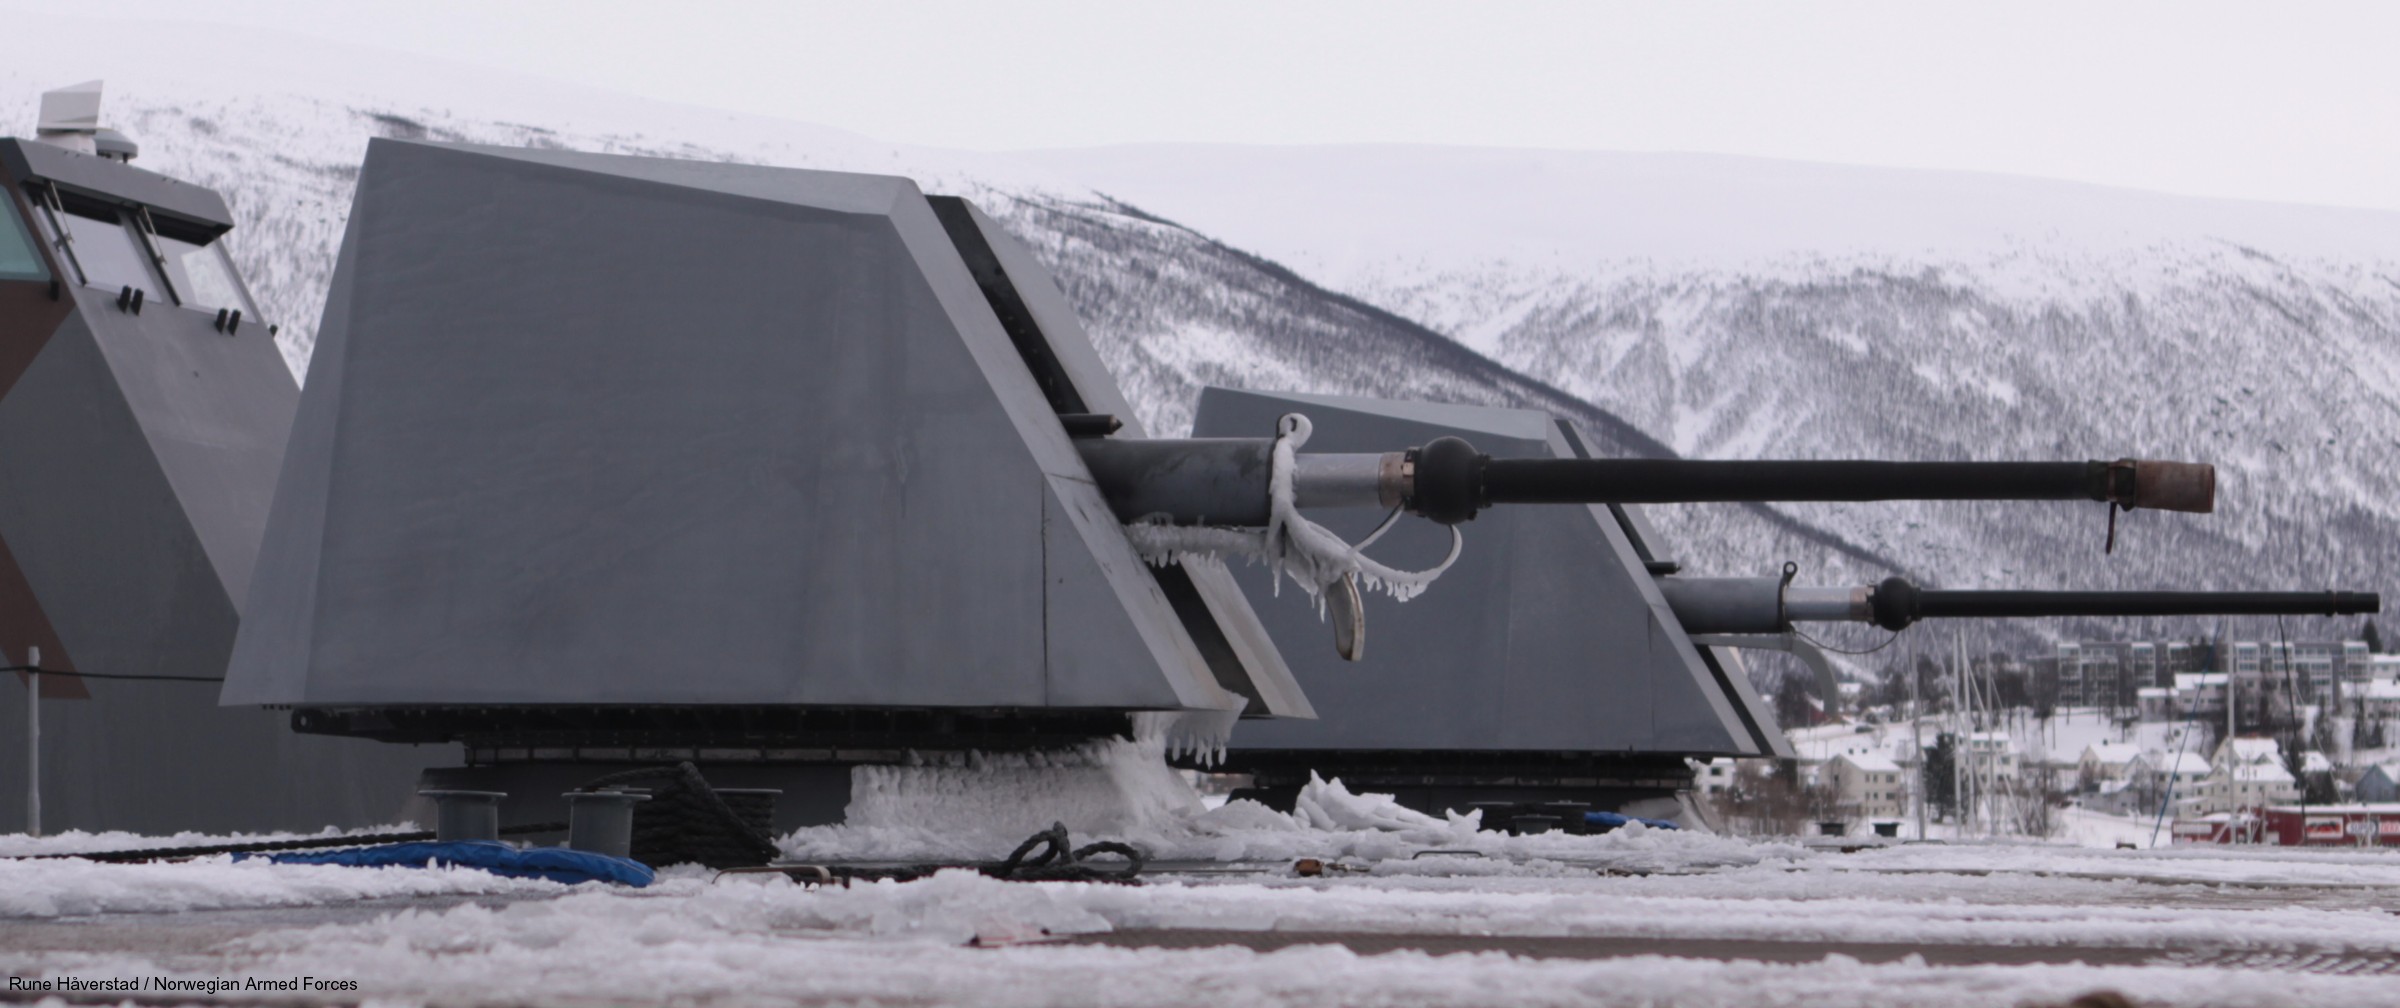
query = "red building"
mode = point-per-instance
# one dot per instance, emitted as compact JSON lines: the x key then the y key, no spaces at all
{"x":2298,"y":826}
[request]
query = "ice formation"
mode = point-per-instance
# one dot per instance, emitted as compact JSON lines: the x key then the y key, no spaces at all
{"x":1110,"y":786}
{"x":1327,"y":805}
{"x":1199,"y":734}
{"x":1291,"y":545}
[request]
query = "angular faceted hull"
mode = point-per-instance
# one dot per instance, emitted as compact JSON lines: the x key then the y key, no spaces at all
{"x":139,"y":445}
{"x":608,"y":456}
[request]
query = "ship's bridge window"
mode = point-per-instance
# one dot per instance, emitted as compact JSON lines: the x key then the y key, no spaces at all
{"x":203,"y":277}
{"x":107,"y":254}
{"x":18,"y":260}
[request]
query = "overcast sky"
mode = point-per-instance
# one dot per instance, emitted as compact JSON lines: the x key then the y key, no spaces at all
{"x":2283,"y":101}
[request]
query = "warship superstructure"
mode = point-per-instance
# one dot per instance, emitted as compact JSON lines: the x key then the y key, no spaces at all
{"x":143,"y":413}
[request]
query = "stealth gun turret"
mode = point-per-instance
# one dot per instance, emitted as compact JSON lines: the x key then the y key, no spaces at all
{"x":1565,"y":656}
{"x":784,"y":472}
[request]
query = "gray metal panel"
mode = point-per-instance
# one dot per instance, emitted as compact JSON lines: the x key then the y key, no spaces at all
{"x":1278,"y":691}
{"x":282,"y":599}
{"x":1091,"y":571}
{"x":32,"y":160}
{"x":1546,"y":635}
{"x":98,"y":529}
{"x":96,"y":526}
{"x":215,"y":410}
{"x":1271,"y":680}
{"x":1733,"y":704}
{"x":1056,"y":318}
{"x":623,"y":431}
{"x":1479,"y":424}
{"x":161,"y":757}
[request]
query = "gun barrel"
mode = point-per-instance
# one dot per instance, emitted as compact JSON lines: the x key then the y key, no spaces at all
{"x":1226,"y":481}
{"x":2172,"y":486}
{"x":1940,"y":604}
{"x":1770,"y":605}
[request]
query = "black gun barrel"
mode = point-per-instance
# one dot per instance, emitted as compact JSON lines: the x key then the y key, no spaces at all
{"x":1226,"y":481}
{"x":1450,"y":481}
{"x":1941,"y":603}
{"x":1898,"y":603}
{"x":1666,"y":481}
{"x":1707,"y":605}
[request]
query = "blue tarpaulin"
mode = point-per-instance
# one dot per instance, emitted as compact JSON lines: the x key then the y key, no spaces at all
{"x":558,"y":864}
{"x":1606,"y":821}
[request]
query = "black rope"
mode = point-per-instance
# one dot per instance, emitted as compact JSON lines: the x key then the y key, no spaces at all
{"x":687,"y":821}
{"x":1822,"y":646}
{"x":1051,"y":842}
{"x":349,"y":840}
{"x":1047,"y":856}
{"x":1060,"y":861}
{"x":36,"y":670}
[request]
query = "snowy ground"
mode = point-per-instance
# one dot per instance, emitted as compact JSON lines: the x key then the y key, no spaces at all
{"x":1749,"y":924}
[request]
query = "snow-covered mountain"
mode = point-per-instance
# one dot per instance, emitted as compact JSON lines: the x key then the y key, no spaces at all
{"x":1674,"y":304}
{"x":1735,"y":307}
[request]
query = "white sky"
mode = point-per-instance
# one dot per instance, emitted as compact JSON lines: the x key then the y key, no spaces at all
{"x":2284,"y":101}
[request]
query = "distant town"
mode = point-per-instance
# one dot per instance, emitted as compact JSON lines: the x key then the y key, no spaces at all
{"x":2124,"y":743}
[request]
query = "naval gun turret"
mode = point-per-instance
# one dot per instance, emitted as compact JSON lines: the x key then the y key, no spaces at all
{"x":605,"y":461}
{"x":1565,"y":656}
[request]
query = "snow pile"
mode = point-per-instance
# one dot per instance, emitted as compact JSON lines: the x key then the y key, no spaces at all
{"x":491,"y":964}
{"x":2201,"y":864}
{"x":1328,"y":805}
{"x":70,"y":887}
{"x":80,"y":842}
{"x":1629,"y":849}
{"x":765,"y":941}
{"x":1110,"y":786}
{"x":978,"y":808}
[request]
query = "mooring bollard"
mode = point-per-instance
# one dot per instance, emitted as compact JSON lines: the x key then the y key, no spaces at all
{"x":602,"y":821}
{"x":465,"y":815}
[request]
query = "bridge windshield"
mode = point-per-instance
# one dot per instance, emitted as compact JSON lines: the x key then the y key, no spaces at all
{"x":203,"y":278}
{"x":18,"y":259}
{"x":106,"y":251}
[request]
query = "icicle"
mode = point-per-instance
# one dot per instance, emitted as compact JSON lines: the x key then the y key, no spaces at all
{"x":1200,"y":734}
{"x":1291,"y":545}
